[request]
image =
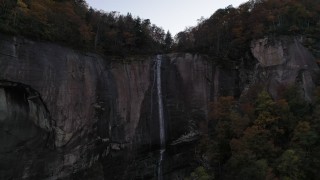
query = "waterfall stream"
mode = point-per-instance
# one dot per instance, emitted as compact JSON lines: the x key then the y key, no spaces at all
{"x":161,"y":116}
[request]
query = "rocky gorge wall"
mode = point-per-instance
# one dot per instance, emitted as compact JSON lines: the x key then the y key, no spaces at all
{"x":101,"y":111}
{"x":84,"y":116}
{"x":283,"y":62}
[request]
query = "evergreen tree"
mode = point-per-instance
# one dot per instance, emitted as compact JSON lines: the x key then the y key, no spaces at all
{"x":168,"y":41}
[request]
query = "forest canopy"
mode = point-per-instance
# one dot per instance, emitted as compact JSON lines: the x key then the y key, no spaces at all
{"x":73,"y":23}
{"x":257,"y":137}
{"x":227,"y":34}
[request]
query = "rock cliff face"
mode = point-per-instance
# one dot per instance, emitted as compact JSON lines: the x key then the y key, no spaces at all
{"x":285,"y":61}
{"x":90,"y":111}
{"x":71,"y":115}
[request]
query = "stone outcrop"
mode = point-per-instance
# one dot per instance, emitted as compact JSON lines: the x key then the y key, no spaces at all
{"x":285,"y":61}
{"x":67,"y":114}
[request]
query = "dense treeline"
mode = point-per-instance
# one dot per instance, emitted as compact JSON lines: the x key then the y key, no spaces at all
{"x":227,"y":34}
{"x":73,"y":23}
{"x":258,"y":137}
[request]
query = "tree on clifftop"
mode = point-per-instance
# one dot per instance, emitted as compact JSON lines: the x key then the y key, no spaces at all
{"x":168,"y":41}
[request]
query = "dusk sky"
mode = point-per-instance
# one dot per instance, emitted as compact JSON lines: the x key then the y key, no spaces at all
{"x":172,"y":15}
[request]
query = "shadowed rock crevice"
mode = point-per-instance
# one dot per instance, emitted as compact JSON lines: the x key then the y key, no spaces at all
{"x":26,"y":131}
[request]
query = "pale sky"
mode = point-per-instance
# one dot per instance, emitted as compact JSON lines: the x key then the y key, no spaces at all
{"x":172,"y":15}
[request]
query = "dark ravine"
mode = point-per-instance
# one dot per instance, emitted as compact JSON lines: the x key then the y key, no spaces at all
{"x":91,"y":117}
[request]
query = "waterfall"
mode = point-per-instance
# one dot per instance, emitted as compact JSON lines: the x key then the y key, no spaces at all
{"x":161,"y":118}
{"x":160,"y":104}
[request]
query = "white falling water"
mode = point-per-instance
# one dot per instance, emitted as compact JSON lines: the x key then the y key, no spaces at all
{"x":161,"y":118}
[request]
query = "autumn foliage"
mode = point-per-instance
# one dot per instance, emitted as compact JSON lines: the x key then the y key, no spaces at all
{"x":227,"y":34}
{"x":73,"y":23}
{"x":264,"y":139}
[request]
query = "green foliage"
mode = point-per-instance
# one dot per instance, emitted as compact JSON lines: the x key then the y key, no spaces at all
{"x":264,"y":102}
{"x":289,"y":165}
{"x":200,"y":173}
{"x":304,"y":135}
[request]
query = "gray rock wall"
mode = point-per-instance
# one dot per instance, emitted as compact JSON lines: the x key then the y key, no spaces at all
{"x":103,"y":110}
{"x":285,"y":61}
